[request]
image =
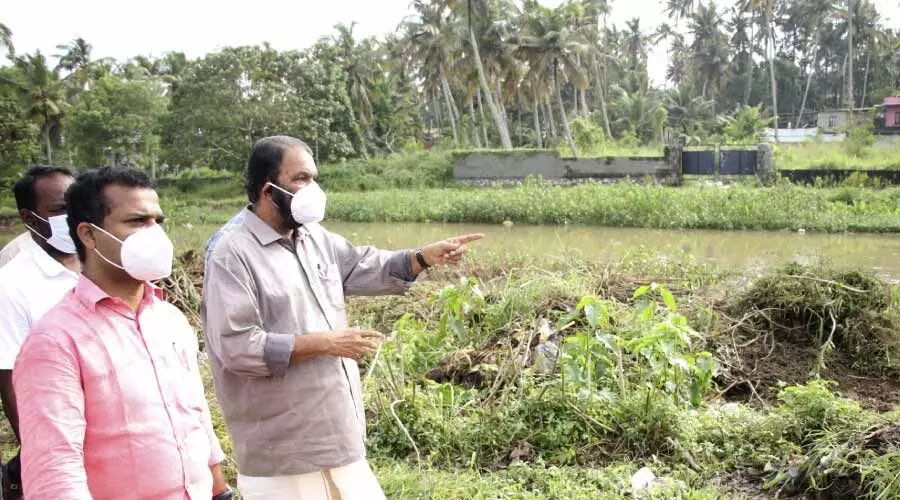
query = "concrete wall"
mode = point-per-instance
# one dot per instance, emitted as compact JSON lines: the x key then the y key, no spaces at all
{"x":518,"y":165}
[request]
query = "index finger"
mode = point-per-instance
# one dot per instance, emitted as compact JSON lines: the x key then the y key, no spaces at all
{"x":467,"y":238}
{"x":371,"y":334}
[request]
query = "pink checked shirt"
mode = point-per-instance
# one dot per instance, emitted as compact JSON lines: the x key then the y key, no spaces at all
{"x":111,"y":404}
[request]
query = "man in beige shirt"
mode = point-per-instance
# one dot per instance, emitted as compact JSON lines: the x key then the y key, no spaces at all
{"x":283,"y":358}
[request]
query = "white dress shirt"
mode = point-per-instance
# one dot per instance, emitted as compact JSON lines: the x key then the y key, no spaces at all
{"x":11,"y":249}
{"x":30,"y":284}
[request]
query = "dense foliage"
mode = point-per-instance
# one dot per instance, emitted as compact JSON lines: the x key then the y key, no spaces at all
{"x":483,"y":73}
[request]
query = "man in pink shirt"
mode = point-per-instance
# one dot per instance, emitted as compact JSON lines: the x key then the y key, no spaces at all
{"x":111,"y":402}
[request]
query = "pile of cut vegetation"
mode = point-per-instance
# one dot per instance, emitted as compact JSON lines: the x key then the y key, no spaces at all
{"x":182,"y":288}
{"x":847,"y":465}
{"x":806,"y":321}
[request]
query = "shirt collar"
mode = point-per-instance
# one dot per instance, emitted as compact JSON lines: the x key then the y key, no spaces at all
{"x":89,"y":294}
{"x":47,"y":264}
{"x":264,"y":232}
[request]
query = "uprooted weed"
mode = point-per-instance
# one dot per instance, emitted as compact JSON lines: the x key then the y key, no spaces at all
{"x":829,"y":309}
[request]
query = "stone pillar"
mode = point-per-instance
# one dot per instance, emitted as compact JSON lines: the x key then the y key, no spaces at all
{"x":673,"y":152}
{"x":765,"y":163}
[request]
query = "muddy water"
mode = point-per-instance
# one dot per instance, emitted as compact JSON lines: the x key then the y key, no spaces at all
{"x":880,"y":253}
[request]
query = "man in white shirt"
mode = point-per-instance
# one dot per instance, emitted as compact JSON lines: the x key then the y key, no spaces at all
{"x":34,"y":281}
{"x":11,"y":249}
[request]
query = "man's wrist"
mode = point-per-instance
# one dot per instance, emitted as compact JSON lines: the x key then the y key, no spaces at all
{"x":420,"y":258}
{"x":228,"y":494}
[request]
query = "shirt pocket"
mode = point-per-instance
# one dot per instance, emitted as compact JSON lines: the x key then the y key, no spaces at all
{"x":184,"y":377}
{"x":333,"y":283}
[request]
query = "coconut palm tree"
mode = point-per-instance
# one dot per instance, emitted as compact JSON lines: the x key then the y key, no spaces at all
{"x":476,"y":10}
{"x":76,"y":60}
{"x":813,"y":13}
{"x":549,"y":46}
{"x":359,"y":67}
{"x":767,"y":10}
{"x":6,"y":41}
{"x":636,"y":43}
{"x":43,"y":94}
{"x":432,"y":43}
{"x":742,"y":45}
{"x":591,"y":30}
{"x":679,"y":9}
{"x":709,"y":49}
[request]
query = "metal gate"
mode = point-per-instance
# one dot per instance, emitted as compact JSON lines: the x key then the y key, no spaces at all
{"x":737,"y":163}
{"x":698,"y":162}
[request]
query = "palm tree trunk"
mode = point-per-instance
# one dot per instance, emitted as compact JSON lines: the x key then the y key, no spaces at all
{"x":748,"y":88}
{"x":602,"y":98}
{"x":448,"y":99}
{"x":366,"y":114}
{"x":584,"y":106}
{"x":862,"y":102}
{"x":562,"y":112}
{"x":498,"y":94}
{"x":809,"y":76}
{"x":850,"y":98}
{"x":47,"y":145}
{"x":548,"y":114}
{"x":487,"y":143}
{"x":772,"y":76}
{"x":842,"y":100}
{"x":475,"y":139}
{"x":575,"y":111}
{"x":495,"y":112}
{"x":518,"y":114}
{"x":537,"y":125}
{"x":436,"y":103}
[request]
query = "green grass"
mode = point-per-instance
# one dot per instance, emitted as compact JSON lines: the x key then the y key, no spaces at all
{"x":627,"y":205}
{"x":835,"y":156}
{"x":736,"y":207}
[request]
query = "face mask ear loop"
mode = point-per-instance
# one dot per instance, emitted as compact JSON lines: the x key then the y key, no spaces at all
{"x":103,"y":256}
{"x":33,"y":230}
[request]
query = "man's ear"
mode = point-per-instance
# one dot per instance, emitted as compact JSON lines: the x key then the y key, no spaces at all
{"x":85,"y":234}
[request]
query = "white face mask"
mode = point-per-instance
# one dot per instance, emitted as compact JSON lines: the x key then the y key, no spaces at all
{"x":307,"y":204}
{"x":146,"y":255}
{"x":60,"y":238}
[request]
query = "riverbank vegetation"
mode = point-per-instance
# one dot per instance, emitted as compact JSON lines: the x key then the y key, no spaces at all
{"x":504,"y":379}
{"x":732,"y":207}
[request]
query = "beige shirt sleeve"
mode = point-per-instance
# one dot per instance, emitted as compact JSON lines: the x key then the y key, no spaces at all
{"x":367,"y":270}
{"x":233,"y":324}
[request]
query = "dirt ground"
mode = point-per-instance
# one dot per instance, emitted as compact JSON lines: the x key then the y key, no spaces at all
{"x":752,"y":372}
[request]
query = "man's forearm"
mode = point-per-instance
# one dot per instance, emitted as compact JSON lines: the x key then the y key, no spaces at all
{"x":219,"y":483}
{"x":309,"y":346}
{"x":8,"y":396}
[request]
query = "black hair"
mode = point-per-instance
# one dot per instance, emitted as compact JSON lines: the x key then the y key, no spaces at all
{"x":24,"y":190}
{"x":86,"y":202}
{"x":265,"y":162}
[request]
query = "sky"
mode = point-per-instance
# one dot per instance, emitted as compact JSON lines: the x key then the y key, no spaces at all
{"x":122,"y":29}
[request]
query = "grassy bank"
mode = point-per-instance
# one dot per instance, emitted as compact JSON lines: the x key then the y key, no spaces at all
{"x":836,"y":155}
{"x":562,"y":381}
{"x":628,"y":205}
{"x":734,"y":207}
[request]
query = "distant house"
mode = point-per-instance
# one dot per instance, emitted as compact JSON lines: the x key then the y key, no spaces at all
{"x":838,"y":120}
{"x":891,"y":110}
